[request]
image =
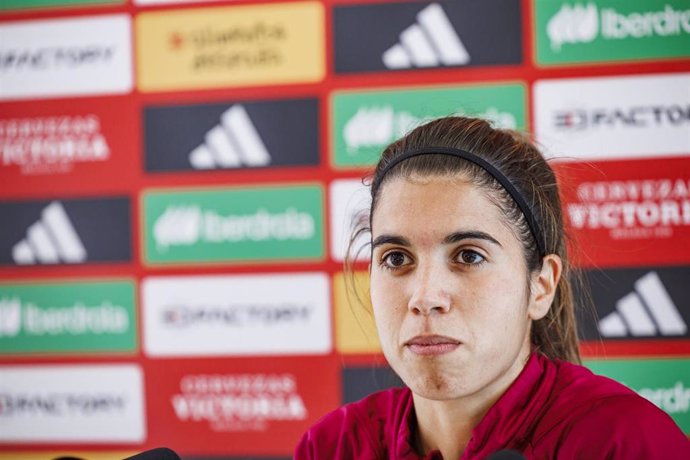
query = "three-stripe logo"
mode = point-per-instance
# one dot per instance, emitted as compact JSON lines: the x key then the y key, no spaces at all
{"x":233,"y":143}
{"x":431,"y":42}
{"x":51,"y":240}
{"x":647,"y":311}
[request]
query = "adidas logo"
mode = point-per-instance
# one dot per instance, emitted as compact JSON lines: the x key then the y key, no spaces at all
{"x":231,"y":144}
{"x":431,"y":42}
{"x":646,"y":312}
{"x":51,"y":240}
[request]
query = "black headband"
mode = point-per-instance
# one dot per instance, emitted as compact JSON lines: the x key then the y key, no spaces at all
{"x":489,"y":168}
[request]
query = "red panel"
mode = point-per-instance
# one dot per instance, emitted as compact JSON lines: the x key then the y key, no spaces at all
{"x":628,"y":213}
{"x":68,"y":146}
{"x":201,"y":406}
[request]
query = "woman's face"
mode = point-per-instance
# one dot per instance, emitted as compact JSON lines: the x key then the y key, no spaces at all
{"x":449,"y":288}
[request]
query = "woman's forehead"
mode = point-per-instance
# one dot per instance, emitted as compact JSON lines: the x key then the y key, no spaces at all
{"x":442,"y":202}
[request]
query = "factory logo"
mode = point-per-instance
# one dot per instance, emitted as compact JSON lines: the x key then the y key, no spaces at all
{"x":58,"y":62}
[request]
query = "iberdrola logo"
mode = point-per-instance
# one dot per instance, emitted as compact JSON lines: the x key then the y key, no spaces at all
{"x":573,"y":24}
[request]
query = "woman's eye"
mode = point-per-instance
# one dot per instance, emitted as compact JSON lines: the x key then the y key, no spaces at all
{"x":469,"y":257}
{"x":395,"y":260}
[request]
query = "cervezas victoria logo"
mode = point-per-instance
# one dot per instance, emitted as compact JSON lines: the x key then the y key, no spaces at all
{"x":632,"y":209}
{"x":238,"y":402}
{"x":52,"y":145}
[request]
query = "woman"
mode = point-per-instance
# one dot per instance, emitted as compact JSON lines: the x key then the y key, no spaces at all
{"x":472,"y":301}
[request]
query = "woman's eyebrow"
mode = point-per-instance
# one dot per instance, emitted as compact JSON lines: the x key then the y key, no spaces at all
{"x":389,"y":239}
{"x":475,"y":235}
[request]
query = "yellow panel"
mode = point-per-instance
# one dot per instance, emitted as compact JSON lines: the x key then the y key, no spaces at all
{"x":50,"y":455}
{"x":230,"y":46}
{"x":355,"y":331}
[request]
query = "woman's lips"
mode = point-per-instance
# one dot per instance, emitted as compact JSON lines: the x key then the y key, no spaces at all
{"x":430,"y":345}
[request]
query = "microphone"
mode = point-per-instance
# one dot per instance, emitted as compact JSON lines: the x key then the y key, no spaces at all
{"x":160,"y":453}
{"x":506,"y":454}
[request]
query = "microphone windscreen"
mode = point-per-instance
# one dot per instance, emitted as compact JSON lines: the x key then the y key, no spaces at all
{"x":161,"y":453}
{"x":506,"y":454}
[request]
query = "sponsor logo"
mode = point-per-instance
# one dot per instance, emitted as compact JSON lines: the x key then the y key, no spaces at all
{"x":244,"y":45}
{"x":232,"y":143}
{"x":238,"y":402}
{"x":631,"y":317}
{"x":664,"y":382}
{"x":638,"y":303}
{"x":625,"y":117}
{"x":581,"y":24}
{"x":419,"y":35}
{"x":237,"y":315}
{"x":251,"y":224}
{"x":187,"y":226}
{"x":50,"y":240}
{"x":607,"y":117}
{"x":90,"y":404}
{"x":55,"y":237}
{"x":250,"y":134}
{"x":61,"y":63}
{"x":364,"y":123}
{"x":431,"y":42}
{"x":21,"y":4}
{"x":379,"y":126}
{"x":632,"y":209}
{"x":355,"y":330}
{"x":241,"y":401}
{"x":59,"y":317}
{"x":51,"y":145}
{"x":607,"y":30}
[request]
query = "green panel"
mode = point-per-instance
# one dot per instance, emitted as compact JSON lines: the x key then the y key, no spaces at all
{"x":611,"y":30}
{"x":252,"y":224}
{"x":21,"y":4}
{"x":665,"y":382}
{"x":70,"y":317}
{"x":364,"y":123}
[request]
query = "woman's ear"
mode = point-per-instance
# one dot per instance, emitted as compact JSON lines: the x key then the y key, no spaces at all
{"x":543,"y":286}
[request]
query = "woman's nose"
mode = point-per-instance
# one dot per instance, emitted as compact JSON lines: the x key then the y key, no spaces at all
{"x":430,"y":291}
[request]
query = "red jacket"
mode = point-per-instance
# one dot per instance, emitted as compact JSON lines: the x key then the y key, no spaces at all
{"x":552,"y":410}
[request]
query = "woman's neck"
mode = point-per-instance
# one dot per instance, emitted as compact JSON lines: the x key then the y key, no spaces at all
{"x":445,"y":426}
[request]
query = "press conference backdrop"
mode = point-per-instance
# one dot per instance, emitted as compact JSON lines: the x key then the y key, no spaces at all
{"x":178,"y":179}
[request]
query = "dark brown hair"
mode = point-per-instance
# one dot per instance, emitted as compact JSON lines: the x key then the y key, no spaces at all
{"x":517,"y":158}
